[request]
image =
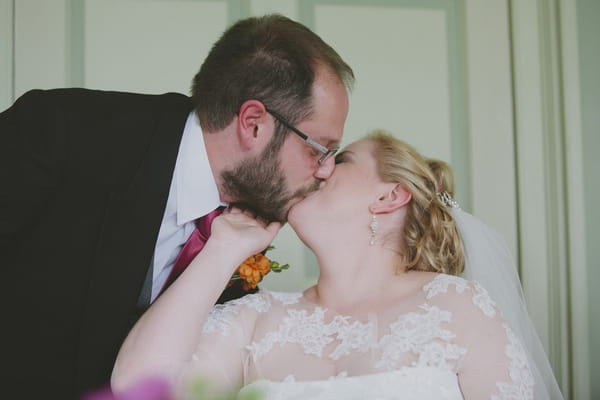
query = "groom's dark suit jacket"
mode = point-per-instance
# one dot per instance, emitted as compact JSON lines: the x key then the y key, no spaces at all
{"x":84,"y":180}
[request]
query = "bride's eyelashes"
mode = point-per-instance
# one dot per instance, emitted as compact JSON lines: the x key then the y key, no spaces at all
{"x":340,"y":157}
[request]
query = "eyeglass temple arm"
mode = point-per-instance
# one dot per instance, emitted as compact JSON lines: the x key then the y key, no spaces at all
{"x":282,"y":120}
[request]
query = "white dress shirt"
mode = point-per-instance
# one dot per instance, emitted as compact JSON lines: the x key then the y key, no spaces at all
{"x":193,"y":194}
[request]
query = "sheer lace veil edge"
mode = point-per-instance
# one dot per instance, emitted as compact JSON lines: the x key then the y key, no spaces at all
{"x":490,"y":263}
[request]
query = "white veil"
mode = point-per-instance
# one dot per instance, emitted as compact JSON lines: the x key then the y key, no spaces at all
{"x":489,"y":262}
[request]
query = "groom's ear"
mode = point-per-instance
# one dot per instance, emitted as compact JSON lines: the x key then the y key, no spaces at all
{"x":253,"y":129}
{"x":394,"y":197}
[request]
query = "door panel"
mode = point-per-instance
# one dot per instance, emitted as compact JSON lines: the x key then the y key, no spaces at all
{"x":435,"y":73}
{"x":151,"y":46}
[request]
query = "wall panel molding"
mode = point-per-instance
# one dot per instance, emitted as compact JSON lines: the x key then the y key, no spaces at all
{"x":7,"y":55}
{"x":409,"y":60}
{"x":490,"y":117}
{"x":579,"y":264}
{"x":40,"y":45}
{"x":541,"y":173}
{"x":453,"y":15}
{"x":75,"y":43}
{"x":152,"y":46}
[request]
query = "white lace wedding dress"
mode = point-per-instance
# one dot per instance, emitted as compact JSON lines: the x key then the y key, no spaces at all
{"x":445,"y":341}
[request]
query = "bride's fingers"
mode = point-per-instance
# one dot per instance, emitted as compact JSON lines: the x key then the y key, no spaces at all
{"x":235,"y":214}
{"x":249,"y":214}
{"x":241,"y":218}
{"x":273,"y":227}
{"x":237,"y":210}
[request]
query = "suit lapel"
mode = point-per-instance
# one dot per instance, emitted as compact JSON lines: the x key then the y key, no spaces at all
{"x":125,"y":250}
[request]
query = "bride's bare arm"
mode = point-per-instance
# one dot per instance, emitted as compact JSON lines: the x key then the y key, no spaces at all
{"x":165,"y":337}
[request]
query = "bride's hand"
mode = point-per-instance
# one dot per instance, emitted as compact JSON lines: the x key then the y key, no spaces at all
{"x":235,"y":235}
{"x":241,"y":232}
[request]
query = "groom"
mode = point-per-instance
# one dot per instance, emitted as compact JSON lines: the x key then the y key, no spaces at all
{"x":100,"y":190}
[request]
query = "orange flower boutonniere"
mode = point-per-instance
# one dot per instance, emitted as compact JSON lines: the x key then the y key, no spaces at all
{"x":255,"y":267}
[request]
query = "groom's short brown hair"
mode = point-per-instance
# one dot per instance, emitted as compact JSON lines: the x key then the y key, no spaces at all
{"x":272,"y":59}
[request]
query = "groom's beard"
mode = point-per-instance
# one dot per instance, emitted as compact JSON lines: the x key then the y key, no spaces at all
{"x":260,"y":186}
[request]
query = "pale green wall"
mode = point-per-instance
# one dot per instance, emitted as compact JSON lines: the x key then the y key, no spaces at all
{"x":588,"y":14}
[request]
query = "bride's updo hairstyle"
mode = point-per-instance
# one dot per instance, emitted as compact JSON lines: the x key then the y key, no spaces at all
{"x":431,"y":239}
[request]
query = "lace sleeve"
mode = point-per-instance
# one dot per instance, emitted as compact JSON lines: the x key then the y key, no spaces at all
{"x":495,"y":365}
{"x":221,"y":353}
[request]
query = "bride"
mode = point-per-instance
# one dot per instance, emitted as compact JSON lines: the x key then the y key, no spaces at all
{"x":389,"y":318}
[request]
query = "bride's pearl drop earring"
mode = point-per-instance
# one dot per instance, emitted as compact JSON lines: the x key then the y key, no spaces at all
{"x":374,"y":225}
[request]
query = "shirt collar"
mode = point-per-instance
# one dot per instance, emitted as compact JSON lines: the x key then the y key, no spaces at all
{"x":197,"y":192}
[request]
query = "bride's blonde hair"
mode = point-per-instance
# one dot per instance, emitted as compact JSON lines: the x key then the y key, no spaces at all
{"x":430,"y":239}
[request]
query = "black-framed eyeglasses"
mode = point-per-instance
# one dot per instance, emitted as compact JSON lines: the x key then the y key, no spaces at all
{"x":326,"y":153}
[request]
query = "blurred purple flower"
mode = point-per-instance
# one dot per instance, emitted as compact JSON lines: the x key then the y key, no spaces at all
{"x":148,"y":389}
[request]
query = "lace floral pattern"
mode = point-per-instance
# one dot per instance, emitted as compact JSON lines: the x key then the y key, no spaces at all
{"x":355,"y":336}
{"x":440,"y":284}
{"x":419,"y":334}
{"x":521,"y":384}
{"x":313,"y":334}
{"x":482,"y":299}
{"x":421,"y":340}
{"x":220,"y":316}
{"x":287,"y":298}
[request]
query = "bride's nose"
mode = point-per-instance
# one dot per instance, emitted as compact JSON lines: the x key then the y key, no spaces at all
{"x":325,"y":169}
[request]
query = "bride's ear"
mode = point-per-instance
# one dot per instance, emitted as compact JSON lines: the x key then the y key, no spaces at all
{"x":396,"y":197}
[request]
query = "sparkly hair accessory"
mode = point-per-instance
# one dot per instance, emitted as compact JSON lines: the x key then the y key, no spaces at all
{"x":447,"y":200}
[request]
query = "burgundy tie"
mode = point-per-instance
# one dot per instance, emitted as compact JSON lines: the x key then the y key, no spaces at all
{"x":194,"y":244}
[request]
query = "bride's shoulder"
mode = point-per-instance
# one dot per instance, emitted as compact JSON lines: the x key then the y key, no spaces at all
{"x":262,"y":300}
{"x":246,"y":310}
{"x":463,"y":293}
{"x":283,"y":298}
{"x":437,"y":284}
